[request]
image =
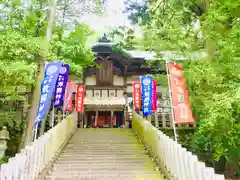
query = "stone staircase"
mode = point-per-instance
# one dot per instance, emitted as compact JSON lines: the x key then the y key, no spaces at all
{"x":104,"y":154}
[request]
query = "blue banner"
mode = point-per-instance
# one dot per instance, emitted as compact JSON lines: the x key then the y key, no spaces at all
{"x":61,"y":85}
{"x":146,"y":84}
{"x":47,"y":88}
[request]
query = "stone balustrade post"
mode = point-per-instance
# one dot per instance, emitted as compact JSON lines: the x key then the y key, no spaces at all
{"x":4,"y":137}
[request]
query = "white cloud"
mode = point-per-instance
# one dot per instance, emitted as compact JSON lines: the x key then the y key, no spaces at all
{"x":112,"y":17}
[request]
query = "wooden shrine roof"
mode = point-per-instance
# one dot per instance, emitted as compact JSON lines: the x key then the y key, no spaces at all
{"x":135,"y":64}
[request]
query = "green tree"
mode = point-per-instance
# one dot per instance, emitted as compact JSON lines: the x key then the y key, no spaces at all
{"x":123,"y":36}
{"x":137,"y":11}
{"x":213,"y":81}
{"x":23,"y":46}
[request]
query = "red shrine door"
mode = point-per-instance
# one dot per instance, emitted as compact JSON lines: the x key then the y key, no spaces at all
{"x":103,"y":119}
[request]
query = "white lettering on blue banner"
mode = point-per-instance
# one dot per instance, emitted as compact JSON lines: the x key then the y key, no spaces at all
{"x":146,"y":84}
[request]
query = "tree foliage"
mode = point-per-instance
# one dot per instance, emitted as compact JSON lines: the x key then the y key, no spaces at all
{"x":23,"y":45}
{"x":123,"y":36}
{"x":22,"y":41}
{"x":213,"y":81}
{"x":137,"y":11}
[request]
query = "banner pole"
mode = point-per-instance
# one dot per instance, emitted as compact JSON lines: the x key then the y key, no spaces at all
{"x":66,"y":98}
{"x":63,"y":116}
{"x":171,"y":104}
{"x":35,"y":133}
{"x":53,"y":116}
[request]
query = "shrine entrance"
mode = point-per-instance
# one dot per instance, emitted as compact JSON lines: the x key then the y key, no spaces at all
{"x":104,"y":119}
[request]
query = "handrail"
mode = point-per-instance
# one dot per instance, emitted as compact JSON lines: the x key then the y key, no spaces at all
{"x":176,"y":162}
{"x":32,"y":160}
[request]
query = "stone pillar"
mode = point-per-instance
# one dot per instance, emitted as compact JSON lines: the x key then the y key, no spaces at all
{"x":163,"y":119}
{"x":43,"y":123}
{"x":79,"y":122}
{"x":4,"y":137}
{"x":126,"y":120}
{"x":125,"y":115}
{"x":156,"y":119}
{"x":59,"y":116}
{"x":52,"y":118}
{"x":96,"y":118}
{"x":112,"y":116}
{"x":85,"y":119}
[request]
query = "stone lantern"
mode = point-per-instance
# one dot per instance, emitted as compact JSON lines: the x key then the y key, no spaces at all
{"x":4,"y":137}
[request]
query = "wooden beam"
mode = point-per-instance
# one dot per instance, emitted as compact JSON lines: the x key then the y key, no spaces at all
{"x":121,"y":59}
{"x":88,"y":87}
{"x":143,"y":72}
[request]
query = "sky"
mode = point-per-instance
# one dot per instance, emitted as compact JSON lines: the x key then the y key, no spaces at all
{"x":112,"y":17}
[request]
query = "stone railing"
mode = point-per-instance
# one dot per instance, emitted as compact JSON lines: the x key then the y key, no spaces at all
{"x":33,"y":159}
{"x":175,"y":161}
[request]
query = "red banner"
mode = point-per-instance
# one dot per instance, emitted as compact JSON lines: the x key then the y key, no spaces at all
{"x":180,"y":99}
{"x":154,"y":95}
{"x":68,"y":96}
{"x":79,"y":100}
{"x":136,"y":95}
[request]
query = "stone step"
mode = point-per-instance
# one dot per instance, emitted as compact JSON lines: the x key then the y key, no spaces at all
{"x":117,"y":139}
{"x":99,"y":157}
{"x":109,"y":147}
{"x":104,"y":154}
{"x":112,"y":161}
{"x":102,"y":145}
{"x":105,"y":151}
{"x":103,"y":133}
{"x":102,"y":163}
{"x":86,"y":150}
{"x":91,"y":168}
{"x":82,"y":135}
{"x":107,"y":165}
{"x":107,"y":139}
{"x":102,"y":141}
{"x":106,"y":173}
{"x":101,"y":177}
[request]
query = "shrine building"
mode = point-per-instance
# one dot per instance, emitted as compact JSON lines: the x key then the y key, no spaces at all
{"x":108,"y":87}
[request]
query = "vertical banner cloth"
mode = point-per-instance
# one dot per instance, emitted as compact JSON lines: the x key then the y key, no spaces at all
{"x":79,"y":100}
{"x":136,"y":95}
{"x":68,"y":96}
{"x":180,"y":99}
{"x":61,"y":85}
{"x":154,"y":95}
{"x":146,"y":84}
{"x":47,"y":88}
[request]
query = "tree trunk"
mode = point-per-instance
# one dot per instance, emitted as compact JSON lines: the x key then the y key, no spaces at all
{"x":25,"y":115}
{"x":34,"y":104}
{"x":36,"y":93}
{"x":231,"y":169}
{"x":51,"y":21}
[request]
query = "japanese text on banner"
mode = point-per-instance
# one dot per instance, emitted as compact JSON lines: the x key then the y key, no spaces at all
{"x":180,"y":99}
{"x":154,"y":95}
{"x":61,"y":85}
{"x":47,"y":89}
{"x":137,"y":95}
{"x":68,"y":96}
{"x":146,"y":84}
{"x":80,"y":91}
